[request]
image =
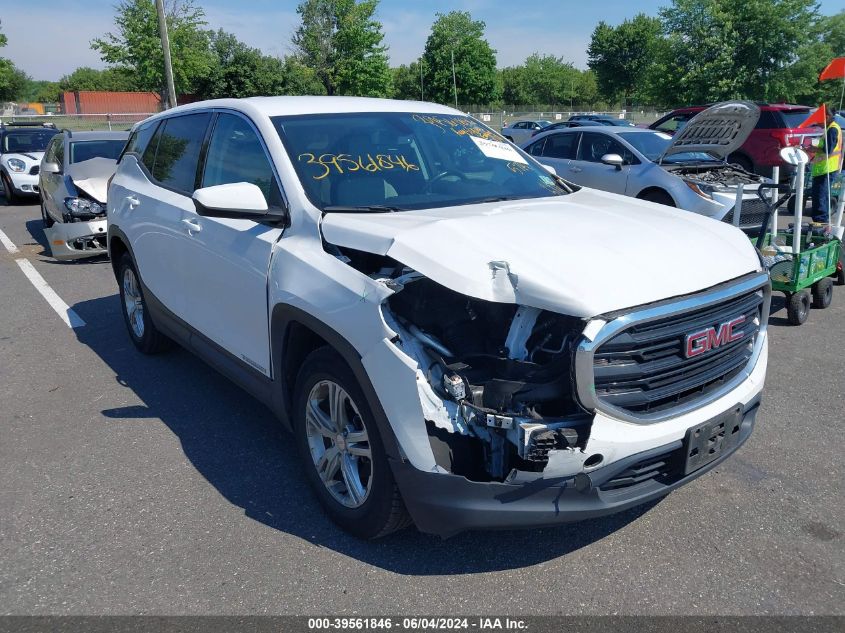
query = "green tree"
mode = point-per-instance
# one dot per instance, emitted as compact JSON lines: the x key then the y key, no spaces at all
{"x":406,"y":82}
{"x":620,"y":56}
{"x":722,"y":49}
{"x":298,"y":79}
{"x":136,"y":46}
{"x":41,"y":91}
{"x":456,"y":33}
{"x":342,"y":43}
{"x":13,"y":81}
{"x":239,"y":70}
{"x":85,"y":78}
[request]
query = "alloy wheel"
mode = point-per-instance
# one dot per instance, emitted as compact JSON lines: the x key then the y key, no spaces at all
{"x":133,"y":302}
{"x":338,"y":443}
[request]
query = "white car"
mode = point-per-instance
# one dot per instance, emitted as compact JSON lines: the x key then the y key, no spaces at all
{"x":454,"y":336}
{"x":22,"y":146}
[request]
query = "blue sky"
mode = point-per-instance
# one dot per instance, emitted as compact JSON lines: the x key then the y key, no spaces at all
{"x":50,"y":38}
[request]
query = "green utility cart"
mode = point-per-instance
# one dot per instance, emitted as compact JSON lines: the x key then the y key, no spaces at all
{"x":803,"y":269}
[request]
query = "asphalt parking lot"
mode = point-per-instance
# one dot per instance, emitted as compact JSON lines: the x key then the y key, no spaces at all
{"x":152,"y":485}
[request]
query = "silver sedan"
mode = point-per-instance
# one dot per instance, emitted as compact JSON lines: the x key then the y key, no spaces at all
{"x":636,"y":162}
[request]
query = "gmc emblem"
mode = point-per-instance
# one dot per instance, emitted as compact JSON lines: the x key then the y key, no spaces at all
{"x":698,"y":343}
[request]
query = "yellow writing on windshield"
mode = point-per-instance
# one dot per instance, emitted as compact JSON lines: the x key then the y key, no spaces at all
{"x":518,"y":168}
{"x":343,"y":163}
{"x":459,"y":125}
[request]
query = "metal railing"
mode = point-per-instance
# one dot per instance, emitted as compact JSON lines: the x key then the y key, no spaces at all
{"x":80,"y":122}
{"x":498,"y":118}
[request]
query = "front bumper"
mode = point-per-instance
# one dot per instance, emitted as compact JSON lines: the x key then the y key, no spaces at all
{"x":446,"y":504}
{"x":24,"y":184}
{"x":77,"y":240}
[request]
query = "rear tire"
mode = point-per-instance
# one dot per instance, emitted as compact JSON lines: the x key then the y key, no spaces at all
{"x":798,"y":307}
{"x":659,"y":197}
{"x":822,"y":293}
{"x":140,"y":326}
{"x":351,"y":477}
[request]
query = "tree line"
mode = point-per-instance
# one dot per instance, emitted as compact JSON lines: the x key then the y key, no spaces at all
{"x":693,"y":51}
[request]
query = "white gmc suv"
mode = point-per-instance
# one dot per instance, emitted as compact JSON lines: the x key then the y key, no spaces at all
{"x":455,"y":336}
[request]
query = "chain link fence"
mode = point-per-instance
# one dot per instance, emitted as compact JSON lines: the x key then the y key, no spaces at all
{"x":510,"y":114}
{"x":82,"y":122}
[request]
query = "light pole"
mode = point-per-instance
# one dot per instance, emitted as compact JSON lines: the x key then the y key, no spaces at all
{"x":165,"y":46}
{"x":454,"y":79}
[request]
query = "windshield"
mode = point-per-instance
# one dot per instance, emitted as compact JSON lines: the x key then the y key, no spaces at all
{"x":33,"y":140}
{"x":86,"y":150}
{"x":653,"y":144}
{"x":400,"y":161}
{"x":794,"y":118}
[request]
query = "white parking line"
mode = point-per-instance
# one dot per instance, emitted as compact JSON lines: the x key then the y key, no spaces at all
{"x":9,"y":244}
{"x":67,"y":315}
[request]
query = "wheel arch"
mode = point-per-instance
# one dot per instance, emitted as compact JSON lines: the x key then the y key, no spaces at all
{"x":295,"y":333}
{"x":658,"y":190}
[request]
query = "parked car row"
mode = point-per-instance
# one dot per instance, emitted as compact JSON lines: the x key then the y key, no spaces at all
{"x":68,"y":171}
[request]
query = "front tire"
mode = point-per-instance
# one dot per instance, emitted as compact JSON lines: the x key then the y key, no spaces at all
{"x":8,"y":190}
{"x":140,"y":326}
{"x":46,"y":220}
{"x":798,"y":307}
{"x":341,"y":449}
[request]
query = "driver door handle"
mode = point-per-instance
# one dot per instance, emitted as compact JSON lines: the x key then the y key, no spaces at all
{"x":193,"y":225}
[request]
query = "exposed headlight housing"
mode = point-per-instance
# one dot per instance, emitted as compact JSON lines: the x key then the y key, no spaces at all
{"x":16,"y":165}
{"x":702,"y":189}
{"x":80,"y":207}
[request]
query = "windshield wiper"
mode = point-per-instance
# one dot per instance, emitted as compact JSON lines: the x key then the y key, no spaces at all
{"x":369,"y":208}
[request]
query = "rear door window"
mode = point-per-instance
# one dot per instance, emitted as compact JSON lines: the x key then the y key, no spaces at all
{"x":178,"y":152}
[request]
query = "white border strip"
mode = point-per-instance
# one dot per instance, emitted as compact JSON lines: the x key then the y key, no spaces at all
{"x":71,"y":318}
{"x":9,"y":244}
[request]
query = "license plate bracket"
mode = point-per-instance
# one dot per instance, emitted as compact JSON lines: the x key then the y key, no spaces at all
{"x":709,"y":440}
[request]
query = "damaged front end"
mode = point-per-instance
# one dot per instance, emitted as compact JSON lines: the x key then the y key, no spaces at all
{"x":82,"y":232}
{"x":496,"y":380}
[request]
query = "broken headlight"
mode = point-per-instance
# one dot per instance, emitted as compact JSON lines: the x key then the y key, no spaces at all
{"x":81,"y":208}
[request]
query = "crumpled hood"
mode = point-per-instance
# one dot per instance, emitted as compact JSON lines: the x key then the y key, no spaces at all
{"x":584,"y":254}
{"x":92,"y":176}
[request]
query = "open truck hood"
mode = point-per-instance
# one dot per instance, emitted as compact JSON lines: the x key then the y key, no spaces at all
{"x":92,"y":176}
{"x":583,"y":254}
{"x":719,"y":130}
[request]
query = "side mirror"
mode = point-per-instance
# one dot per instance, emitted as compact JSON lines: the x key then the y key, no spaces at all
{"x":238,"y":200}
{"x":550,"y":169}
{"x":51,"y":168}
{"x":613,"y":159}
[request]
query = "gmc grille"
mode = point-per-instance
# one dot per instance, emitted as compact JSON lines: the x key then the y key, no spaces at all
{"x":644,"y":369}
